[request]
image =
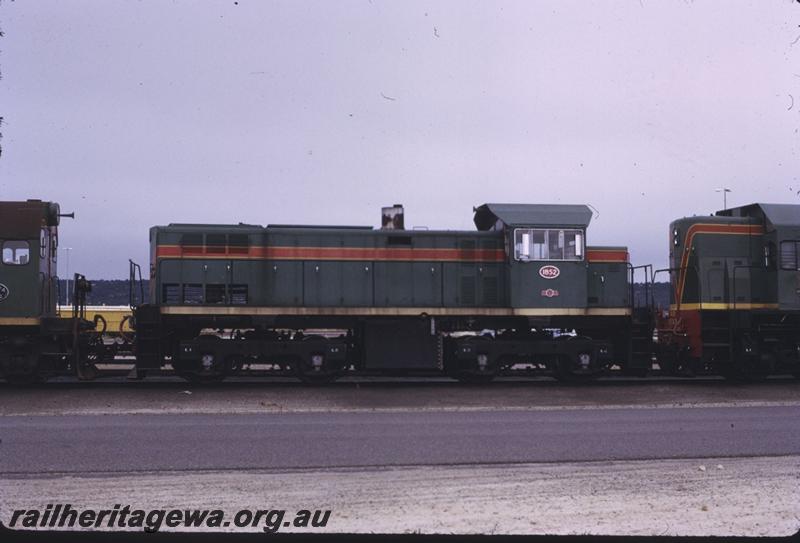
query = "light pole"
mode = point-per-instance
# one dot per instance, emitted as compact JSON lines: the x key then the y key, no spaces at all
{"x":68,"y":249}
{"x":724,"y":191}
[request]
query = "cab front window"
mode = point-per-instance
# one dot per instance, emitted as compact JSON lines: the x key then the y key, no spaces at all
{"x":548,"y":244}
{"x":16,"y":253}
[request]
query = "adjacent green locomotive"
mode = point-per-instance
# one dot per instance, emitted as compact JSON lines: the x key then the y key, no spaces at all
{"x":319,"y":300}
{"x":34,"y":340}
{"x":735,"y":293}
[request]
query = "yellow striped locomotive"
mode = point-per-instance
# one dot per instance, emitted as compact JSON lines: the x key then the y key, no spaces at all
{"x":735,"y":307}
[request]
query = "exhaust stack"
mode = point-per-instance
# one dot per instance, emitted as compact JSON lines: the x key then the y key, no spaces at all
{"x":392,"y":218}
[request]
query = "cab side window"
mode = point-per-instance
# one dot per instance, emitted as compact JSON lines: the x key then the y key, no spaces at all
{"x":16,"y":253}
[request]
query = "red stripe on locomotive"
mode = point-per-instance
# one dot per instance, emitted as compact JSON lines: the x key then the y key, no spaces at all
{"x":335,"y":253}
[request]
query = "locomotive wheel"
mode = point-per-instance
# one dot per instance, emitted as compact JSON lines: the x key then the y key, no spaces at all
{"x":311,"y":377}
{"x":307,"y":373}
{"x":566,"y":371}
{"x":474,"y":376}
{"x":576,"y":368}
{"x":93,"y":352}
{"x":214,"y":374}
{"x":673,"y":361}
{"x":750,"y":368}
{"x":477,"y":374}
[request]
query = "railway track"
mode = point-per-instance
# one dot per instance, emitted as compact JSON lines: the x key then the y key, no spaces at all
{"x":169,"y":378}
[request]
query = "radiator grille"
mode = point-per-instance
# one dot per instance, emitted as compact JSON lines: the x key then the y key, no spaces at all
{"x":238,"y":294}
{"x":171,"y":293}
{"x":193,"y":294}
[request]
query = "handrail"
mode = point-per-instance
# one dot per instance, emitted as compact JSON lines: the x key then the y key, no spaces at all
{"x":82,"y":287}
{"x":133,"y":268}
{"x":670,"y":270}
{"x":43,"y":298}
{"x":731,"y":315}
{"x":58,"y":295}
{"x":648,"y":286}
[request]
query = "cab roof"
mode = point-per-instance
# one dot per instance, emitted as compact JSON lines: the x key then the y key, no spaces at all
{"x":773,"y":215}
{"x":487,"y":215}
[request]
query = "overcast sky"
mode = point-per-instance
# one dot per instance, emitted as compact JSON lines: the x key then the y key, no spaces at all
{"x":140,"y":113}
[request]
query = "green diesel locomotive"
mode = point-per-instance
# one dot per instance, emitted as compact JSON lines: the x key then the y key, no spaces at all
{"x":524,"y":290}
{"x":735,"y":307}
{"x":35,"y":341}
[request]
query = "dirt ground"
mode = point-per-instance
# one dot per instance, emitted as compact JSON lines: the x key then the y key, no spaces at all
{"x":727,"y":496}
{"x":742,"y":496}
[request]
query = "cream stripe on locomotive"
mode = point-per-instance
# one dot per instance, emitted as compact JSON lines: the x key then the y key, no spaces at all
{"x":19,"y":321}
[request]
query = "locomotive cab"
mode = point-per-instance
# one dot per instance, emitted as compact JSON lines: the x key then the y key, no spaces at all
{"x":28,"y":240}
{"x":551,"y":270}
{"x":735,"y":305}
{"x":780,"y":250}
{"x":545,"y":250}
{"x":34,"y":341}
